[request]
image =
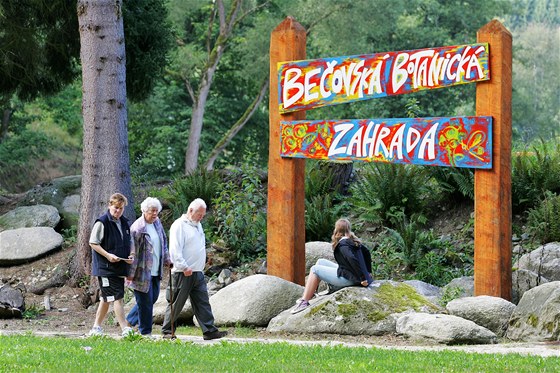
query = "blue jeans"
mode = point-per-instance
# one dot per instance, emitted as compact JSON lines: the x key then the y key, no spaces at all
{"x":326,"y":271}
{"x":142,"y":312}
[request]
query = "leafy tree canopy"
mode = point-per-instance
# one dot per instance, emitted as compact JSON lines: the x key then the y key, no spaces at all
{"x":40,"y":45}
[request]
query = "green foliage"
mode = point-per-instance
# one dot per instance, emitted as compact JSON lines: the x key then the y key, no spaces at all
{"x":30,"y":354}
{"x":407,"y":238}
{"x":383,"y":189}
{"x":534,"y":171}
{"x":32,"y":312}
{"x":324,"y":205}
{"x":321,"y":213}
{"x":17,"y":153}
{"x":70,"y":235}
{"x":238,"y":218}
{"x":456,"y":183}
{"x":183,"y":190}
{"x":158,"y":133}
{"x":39,"y":42}
{"x":537,"y":76}
{"x":450,"y":293}
{"x":544,"y":220}
{"x":148,"y":40}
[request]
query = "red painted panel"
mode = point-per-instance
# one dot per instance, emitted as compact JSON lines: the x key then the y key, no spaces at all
{"x":328,"y":81}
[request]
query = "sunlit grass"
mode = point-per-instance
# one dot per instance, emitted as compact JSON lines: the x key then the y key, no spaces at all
{"x":25,"y":353}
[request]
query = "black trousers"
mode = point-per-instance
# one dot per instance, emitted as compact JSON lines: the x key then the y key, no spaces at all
{"x":193,"y":286}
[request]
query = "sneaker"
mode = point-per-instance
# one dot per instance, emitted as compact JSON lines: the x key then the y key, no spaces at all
{"x":214,"y":335}
{"x":127,"y":330}
{"x":300,"y":306}
{"x":96,"y":330}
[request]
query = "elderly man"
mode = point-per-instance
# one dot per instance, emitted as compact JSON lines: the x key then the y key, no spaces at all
{"x":187,"y":247}
{"x":151,"y":254}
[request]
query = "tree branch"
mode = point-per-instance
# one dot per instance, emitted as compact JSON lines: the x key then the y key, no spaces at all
{"x":229,"y":135}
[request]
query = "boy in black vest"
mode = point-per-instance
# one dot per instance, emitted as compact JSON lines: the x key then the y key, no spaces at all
{"x":110,"y":241}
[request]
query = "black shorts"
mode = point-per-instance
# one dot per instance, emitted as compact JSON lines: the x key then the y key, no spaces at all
{"x":112,"y":288}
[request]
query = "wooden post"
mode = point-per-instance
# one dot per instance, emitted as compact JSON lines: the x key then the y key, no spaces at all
{"x":286,"y":177}
{"x":492,"y":205}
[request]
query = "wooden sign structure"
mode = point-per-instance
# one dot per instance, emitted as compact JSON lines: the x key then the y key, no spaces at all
{"x":459,"y":141}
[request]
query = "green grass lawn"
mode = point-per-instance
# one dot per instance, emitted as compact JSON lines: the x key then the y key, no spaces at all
{"x":26,"y":353}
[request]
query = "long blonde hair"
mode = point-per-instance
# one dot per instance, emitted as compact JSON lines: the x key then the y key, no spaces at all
{"x":342,"y":228}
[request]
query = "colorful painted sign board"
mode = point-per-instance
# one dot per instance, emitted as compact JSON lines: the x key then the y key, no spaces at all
{"x":436,"y":141}
{"x":328,"y":81}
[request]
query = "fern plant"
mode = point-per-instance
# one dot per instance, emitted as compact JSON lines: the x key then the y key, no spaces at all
{"x":535,"y":170}
{"x":238,"y":218}
{"x":183,"y":190}
{"x":382,"y":188}
{"x":324,"y":204}
{"x":544,"y":220}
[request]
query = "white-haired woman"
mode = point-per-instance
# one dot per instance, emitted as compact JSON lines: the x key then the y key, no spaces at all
{"x":151,"y":255}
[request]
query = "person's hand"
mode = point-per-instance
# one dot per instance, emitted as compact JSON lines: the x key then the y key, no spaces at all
{"x":129,"y":260}
{"x":187,"y":272}
{"x":113,"y":258}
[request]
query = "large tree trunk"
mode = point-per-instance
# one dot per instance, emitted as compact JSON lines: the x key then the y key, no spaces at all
{"x":105,"y":168}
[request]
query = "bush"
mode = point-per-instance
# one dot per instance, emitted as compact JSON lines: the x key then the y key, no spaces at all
{"x":323,"y":202}
{"x":238,"y":218}
{"x":456,"y":183}
{"x":534,"y":172}
{"x":408,"y":239}
{"x":544,"y":220}
{"x":17,"y":153}
{"x":381,"y":189}
{"x":183,"y":190}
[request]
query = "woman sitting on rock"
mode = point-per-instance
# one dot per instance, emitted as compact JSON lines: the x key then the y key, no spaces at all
{"x":352,"y":267}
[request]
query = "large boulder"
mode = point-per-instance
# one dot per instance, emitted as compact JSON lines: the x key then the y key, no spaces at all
{"x":431,"y":292}
{"x":523,"y":280}
{"x":493,"y":313}
{"x":545,"y":261}
{"x":253,"y":300}
{"x":12,"y":303}
{"x":464,"y":285}
{"x":62,"y":193}
{"x":26,"y":244}
{"x":537,"y":316}
{"x":30,"y":216}
{"x":316,"y":250}
{"x":445,"y":329}
{"x":185,"y":317}
{"x":354,"y":311}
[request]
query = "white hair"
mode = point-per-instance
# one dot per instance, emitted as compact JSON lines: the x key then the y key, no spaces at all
{"x":150,"y":203}
{"x":197,"y":204}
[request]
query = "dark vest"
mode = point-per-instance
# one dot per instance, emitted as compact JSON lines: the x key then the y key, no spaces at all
{"x":113,"y":243}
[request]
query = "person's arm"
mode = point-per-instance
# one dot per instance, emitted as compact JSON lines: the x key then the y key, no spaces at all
{"x":101,"y":251}
{"x":366,"y":276}
{"x":356,"y":261}
{"x":136,"y":242}
{"x":176,"y":242}
{"x":164,"y":244}
{"x":367,"y":257}
{"x":95,"y":239}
